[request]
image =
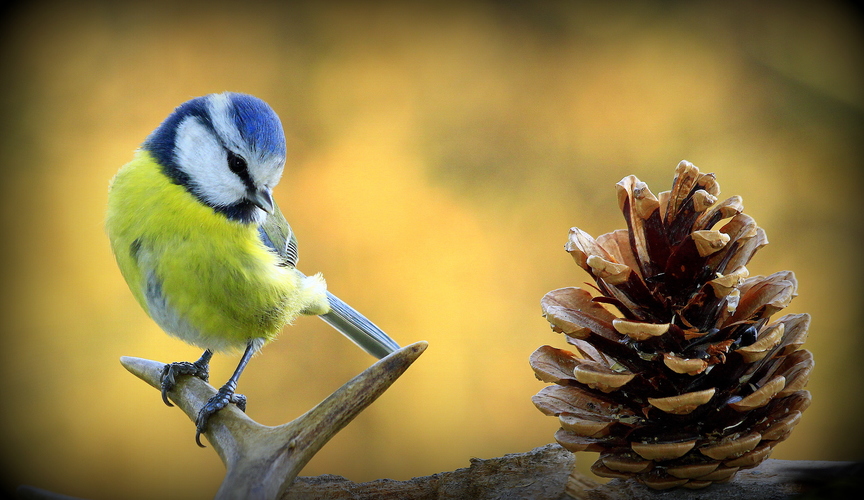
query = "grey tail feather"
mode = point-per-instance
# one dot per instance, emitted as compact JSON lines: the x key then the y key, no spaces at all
{"x":358,"y":329}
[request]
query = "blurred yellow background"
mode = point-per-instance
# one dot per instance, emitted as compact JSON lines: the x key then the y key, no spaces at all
{"x":437,"y":158}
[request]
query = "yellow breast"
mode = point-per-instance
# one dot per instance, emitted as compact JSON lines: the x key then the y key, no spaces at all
{"x":201,"y":276}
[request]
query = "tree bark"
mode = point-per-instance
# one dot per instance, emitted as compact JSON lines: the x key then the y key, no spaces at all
{"x":546,"y":473}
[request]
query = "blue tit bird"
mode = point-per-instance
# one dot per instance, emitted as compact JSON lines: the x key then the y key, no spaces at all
{"x":205,"y":249}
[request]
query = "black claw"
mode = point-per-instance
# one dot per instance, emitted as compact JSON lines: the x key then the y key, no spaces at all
{"x":239,"y":400}
{"x":170,"y":372}
{"x":198,"y":437}
{"x":167,"y":382}
{"x":214,"y":405}
{"x":225,"y":394}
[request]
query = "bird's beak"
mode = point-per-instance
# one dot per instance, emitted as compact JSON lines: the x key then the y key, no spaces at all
{"x":262,"y":198}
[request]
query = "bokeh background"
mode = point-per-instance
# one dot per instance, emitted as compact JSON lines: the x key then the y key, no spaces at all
{"x":438,"y":156}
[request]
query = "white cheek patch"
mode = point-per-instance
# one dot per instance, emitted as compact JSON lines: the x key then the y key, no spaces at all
{"x":201,"y":156}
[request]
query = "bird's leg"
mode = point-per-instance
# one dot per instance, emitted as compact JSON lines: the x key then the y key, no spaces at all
{"x":199,"y":369}
{"x":225,"y":394}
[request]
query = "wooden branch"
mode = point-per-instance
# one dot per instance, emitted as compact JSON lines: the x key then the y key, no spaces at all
{"x":546,"y":473}
{"x":540,"y":474}
{"x":262,"y":461}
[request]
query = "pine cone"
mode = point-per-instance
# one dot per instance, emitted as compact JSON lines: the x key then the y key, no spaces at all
{"x":680,"y":378}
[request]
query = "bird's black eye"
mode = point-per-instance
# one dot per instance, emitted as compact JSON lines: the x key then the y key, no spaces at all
{"x":236,"y":163}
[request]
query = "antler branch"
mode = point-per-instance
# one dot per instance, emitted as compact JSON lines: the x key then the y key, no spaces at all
{"x":262,"y":461}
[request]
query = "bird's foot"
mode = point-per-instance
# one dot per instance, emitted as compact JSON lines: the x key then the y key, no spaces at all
{"x":172,"y":370}
{"x":220,"y":400}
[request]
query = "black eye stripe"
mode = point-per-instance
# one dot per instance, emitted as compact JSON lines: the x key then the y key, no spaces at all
{"x":239,"y":166}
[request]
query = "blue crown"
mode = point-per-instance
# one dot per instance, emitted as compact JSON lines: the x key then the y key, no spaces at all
{"x":258,"y":123}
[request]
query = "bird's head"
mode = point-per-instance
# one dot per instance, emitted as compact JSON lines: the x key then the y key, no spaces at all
{"x":228,"y":150}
